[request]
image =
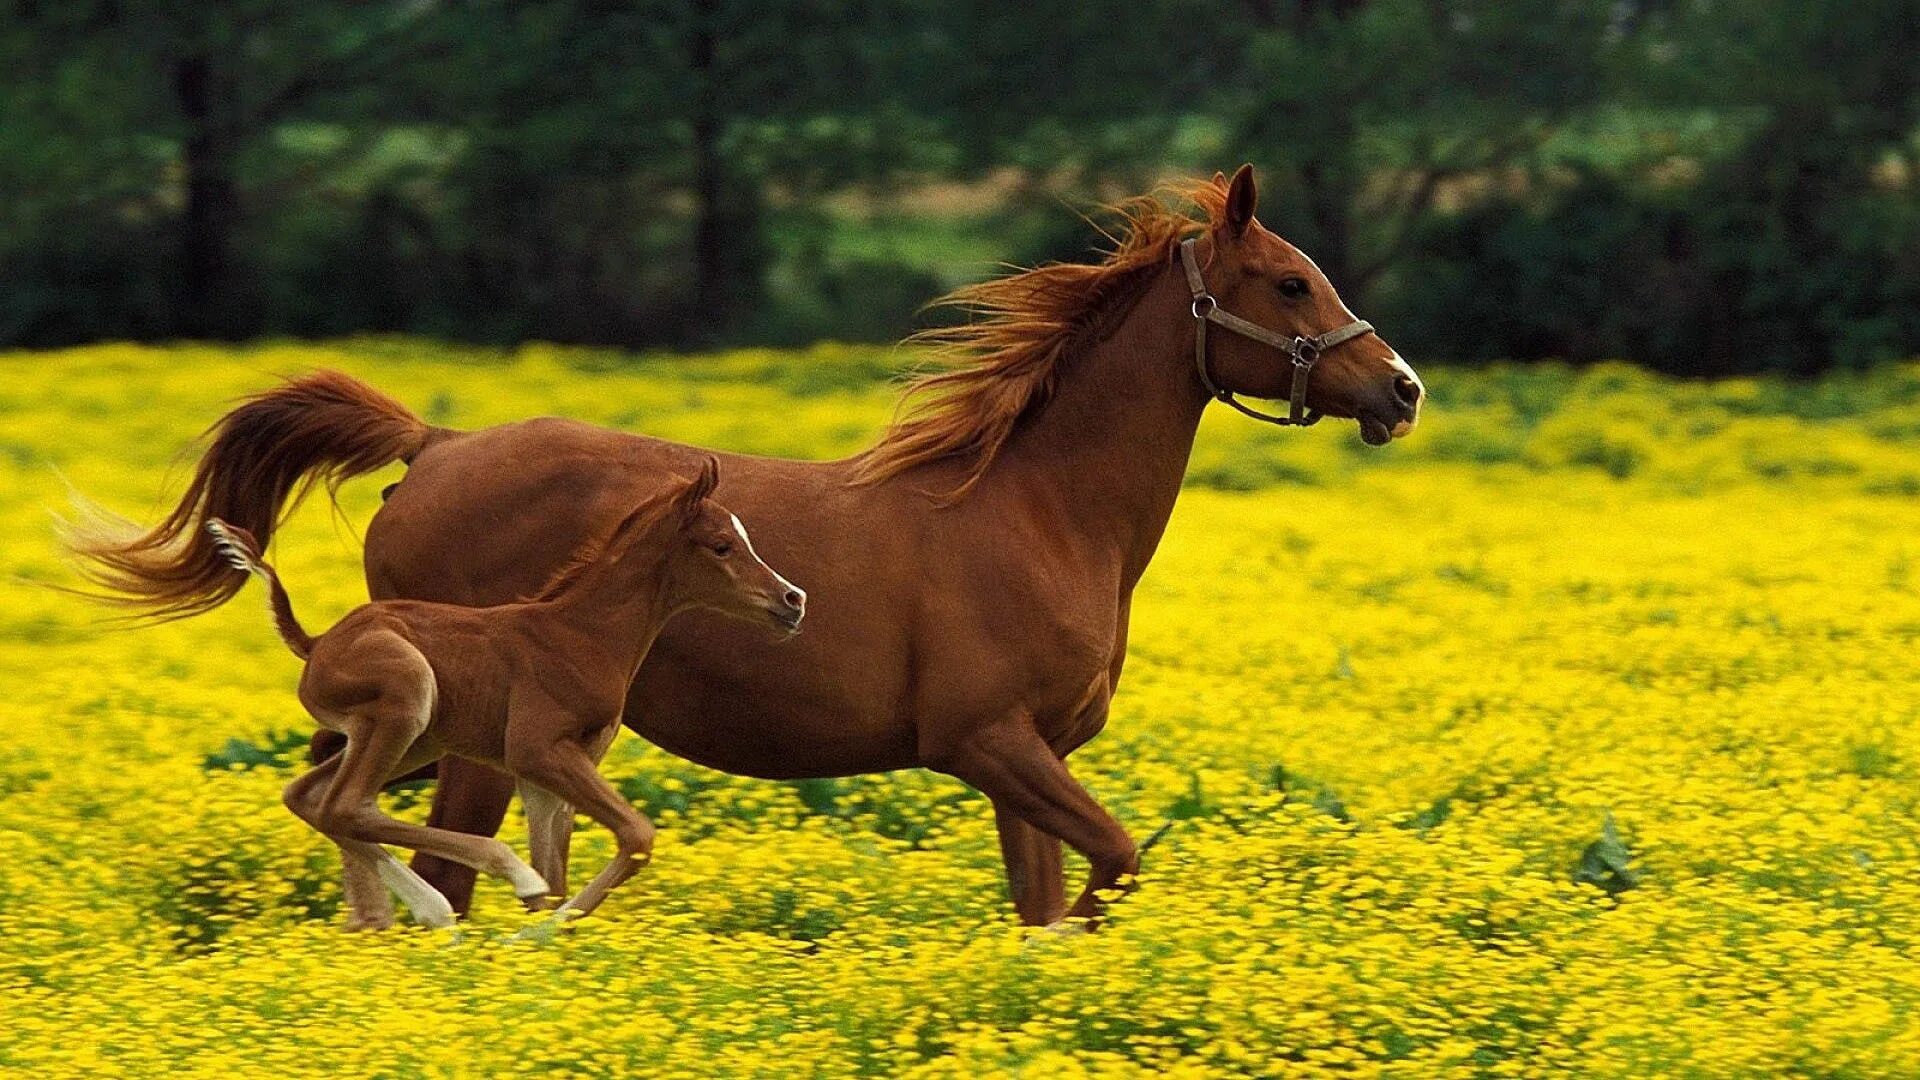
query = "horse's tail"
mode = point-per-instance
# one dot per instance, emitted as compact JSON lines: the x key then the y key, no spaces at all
{"x":240,"y":549}
{"x":265,"y":456}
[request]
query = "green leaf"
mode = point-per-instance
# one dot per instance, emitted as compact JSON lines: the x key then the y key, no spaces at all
{"x":1607,"y":863}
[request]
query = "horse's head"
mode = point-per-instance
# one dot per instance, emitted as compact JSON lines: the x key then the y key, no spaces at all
{"x":710,"y":562}
{"x":1254,"y":274}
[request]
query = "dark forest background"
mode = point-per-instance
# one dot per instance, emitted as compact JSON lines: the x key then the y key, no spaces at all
{"x":1701,"y":185}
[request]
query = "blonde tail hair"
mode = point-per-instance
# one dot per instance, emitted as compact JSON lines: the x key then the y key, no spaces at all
{"x":240,"y":549}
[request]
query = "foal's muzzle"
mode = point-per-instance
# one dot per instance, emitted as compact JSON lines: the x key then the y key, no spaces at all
{"x":787,"y":609}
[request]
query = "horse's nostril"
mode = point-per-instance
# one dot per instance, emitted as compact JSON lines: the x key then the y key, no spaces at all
{"x":1407,"y":391}
{"x":795,"y":598}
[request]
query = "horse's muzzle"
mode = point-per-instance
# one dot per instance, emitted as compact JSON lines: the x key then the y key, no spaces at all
{"x":1395,"y":413}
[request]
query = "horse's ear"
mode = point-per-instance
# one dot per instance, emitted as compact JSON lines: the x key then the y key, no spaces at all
{"x":1242,"y":198}
{"x":1219,"y":179}
{"x":687,"y":503}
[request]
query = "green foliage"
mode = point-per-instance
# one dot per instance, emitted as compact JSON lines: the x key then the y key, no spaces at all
{"x":276,"y":750}
{"x":1705,"y":188}
{"x":1606,"y":863}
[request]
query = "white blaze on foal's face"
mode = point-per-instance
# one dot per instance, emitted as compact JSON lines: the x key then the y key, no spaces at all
{"x":786,"y":587}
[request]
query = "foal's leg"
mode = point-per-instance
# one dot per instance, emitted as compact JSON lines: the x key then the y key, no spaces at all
{"x":570,"y":770}
{"x":369,"y":901}
{"x":549,"y":834}
{"x":377,"y":748}
{"x":469,"y":798}
{"x":371,"y":875}
{"x":1012,"y":765}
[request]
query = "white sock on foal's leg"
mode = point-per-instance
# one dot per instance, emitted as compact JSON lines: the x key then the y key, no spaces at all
{"x":429,"y":908}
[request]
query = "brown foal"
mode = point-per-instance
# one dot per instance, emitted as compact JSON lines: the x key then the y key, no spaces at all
{"x":973,"y":573}
{"x":534,"y":688}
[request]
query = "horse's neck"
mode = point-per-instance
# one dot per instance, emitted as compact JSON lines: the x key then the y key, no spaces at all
{"x":1115,"y":438}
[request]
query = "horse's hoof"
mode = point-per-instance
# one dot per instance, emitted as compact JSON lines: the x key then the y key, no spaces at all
{"x":1069,"y":927}
{"x":364,"y":924}
{"x":541,"y":902}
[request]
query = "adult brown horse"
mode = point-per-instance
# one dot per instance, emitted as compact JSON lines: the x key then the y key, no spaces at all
{"x":971,"y":574}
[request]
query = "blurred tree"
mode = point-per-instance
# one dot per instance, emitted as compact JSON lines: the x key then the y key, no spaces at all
{"x":1708,"y":186}
{"x":1363,"y":111}
{"x":621,"y":152}
{"x":1809,"y":228}
{"x":213,"y":79}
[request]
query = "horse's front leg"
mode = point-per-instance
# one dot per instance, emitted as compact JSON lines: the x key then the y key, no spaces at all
{"x":1035,"y":875}
{"x":1012,"y":765}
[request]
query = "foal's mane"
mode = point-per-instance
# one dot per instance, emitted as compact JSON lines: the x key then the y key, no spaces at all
{"x":1003,"y":363}
{"x":590,"y":552}
{"x":680,"y":497}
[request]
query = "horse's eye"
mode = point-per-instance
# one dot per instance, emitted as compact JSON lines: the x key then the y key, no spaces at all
{"x":723,"y":549}
{"x":1293,"y":288}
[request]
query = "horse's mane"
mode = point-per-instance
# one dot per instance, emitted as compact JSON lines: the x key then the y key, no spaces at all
{"x":1004,"y":362}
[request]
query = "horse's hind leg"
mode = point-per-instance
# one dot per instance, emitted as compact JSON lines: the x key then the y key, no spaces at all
{"x":468,"y":798}
{"x":369,"y":903}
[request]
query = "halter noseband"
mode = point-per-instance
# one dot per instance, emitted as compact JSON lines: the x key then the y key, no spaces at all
{"x":1303,"y":351}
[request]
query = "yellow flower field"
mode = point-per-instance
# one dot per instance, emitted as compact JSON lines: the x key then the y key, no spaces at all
{"x":1389,"y":700}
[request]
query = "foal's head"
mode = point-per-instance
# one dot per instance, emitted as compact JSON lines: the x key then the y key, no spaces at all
{"x":1255,"y":274}
{"x":702,"y":557}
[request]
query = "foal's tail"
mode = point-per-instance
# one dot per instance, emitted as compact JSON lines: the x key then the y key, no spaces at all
{"x":238,"y":547}
{"x":266,"y":455}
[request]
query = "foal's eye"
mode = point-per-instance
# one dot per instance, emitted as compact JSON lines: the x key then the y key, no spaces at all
{"x":1293,"y":288}
{"x":723,"y":549}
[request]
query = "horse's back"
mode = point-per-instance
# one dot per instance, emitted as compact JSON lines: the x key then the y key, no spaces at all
{"x":484,"y":517}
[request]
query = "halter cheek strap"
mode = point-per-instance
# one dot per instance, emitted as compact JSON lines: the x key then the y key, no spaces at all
{"x":1304,"y":352}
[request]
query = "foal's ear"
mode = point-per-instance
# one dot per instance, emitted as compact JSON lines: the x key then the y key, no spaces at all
{"x":687,"y":503}
{"x":1242,"y":198}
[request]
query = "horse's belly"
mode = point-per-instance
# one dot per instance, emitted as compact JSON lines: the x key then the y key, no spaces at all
{"x":730,"y":696}
{"x":734,"y":742}
{"x":741,"y":729}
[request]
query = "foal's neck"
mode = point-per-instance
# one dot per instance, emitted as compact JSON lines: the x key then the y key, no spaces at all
{"x":617,"y":606}
{"x":1115,"y":438}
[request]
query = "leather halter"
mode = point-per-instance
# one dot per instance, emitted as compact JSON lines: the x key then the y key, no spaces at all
{"x":1303,"y":351}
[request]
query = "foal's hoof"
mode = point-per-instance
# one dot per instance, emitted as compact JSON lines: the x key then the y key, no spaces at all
{"x":434,"y":916}
{"x":527,"y":882}
{"x":541,"y":901}
{"x":544,"y":931}
{"x":356,"y":924}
